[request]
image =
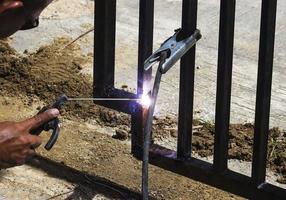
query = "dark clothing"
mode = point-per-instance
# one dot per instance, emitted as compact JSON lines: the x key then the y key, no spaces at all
{"x":30,"y":24}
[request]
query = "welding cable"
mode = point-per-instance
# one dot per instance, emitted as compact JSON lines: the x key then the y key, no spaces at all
{"x":148,"y":126}
{"x":91,"y":180}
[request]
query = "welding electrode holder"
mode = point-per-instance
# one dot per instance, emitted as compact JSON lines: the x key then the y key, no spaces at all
{"x":51,"y":125}
{"x":176,"y":47}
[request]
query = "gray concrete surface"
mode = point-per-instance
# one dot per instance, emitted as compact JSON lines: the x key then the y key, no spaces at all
{"x":29,"y":183}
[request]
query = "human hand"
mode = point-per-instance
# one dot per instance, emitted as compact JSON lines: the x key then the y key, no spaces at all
{"x":16,"y":143}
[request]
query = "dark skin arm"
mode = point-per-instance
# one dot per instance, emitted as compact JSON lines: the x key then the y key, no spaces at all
{"x":16,"y":143}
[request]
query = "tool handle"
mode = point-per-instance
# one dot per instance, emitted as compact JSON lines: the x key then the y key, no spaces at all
{"x":55,"y":134}
{"x":53,"y":125}
{"x":37,"y":131}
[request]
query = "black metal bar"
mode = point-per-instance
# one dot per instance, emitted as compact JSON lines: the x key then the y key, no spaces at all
{"x":202,"y":171}
{"x":187,"y":76}
{"x":148,"y":128}
{"x":129,"y":107}
{"x":105,"y":22}
{"x":145,"y":48}
{"x":146,"y":25}
{"x":263,"y":96}
{"x":224,"y":79}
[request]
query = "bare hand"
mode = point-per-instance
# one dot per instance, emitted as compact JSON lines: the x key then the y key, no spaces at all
{"x":16,"y":143}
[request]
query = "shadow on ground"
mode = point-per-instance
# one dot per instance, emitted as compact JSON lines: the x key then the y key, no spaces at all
{"x":87,"y":186}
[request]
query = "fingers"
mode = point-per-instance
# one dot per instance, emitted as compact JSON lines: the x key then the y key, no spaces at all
{"x":19,"y":158}
{"x":25,"y":156}
{"x":30,"y":141}
{"x":10,"y":4}
{"x":22,"y":150}
{"x":39,"y":119}
{"x":35,"y":141}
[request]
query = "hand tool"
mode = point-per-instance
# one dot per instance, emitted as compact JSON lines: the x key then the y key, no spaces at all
{"x":52,"y":124}
{"x":175,"y":47}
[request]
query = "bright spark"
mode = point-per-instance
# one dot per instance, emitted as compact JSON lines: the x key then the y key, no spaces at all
{"x":145,"y":100}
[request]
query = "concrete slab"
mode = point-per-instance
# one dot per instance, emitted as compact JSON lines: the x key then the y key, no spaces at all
{"x":27,"y":182}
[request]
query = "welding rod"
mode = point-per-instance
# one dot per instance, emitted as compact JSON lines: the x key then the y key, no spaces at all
{"x":103,"y":99}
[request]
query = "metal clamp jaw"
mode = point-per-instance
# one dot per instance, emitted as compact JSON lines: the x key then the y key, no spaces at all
{"x":175,"y":47}
{"x":51,"y":125}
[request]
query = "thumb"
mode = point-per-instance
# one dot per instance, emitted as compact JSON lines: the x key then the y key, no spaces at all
{"x":40,"y":119}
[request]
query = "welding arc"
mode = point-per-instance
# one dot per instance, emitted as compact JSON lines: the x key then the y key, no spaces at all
{"x":148,"y":127}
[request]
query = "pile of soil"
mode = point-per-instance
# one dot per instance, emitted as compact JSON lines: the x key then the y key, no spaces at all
{"x":47,"y":73}
{"x":53,"y":70}
{"x":240,"y":142}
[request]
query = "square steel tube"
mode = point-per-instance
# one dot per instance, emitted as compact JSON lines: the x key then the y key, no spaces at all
{"x":145,"y":48}
{"x":187,"y":75}
{"x":264,"y":84}
{"x":104,"y":37}
{"x":224,"y":79}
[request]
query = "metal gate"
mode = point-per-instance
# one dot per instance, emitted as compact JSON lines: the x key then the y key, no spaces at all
{"x":216,"y":174}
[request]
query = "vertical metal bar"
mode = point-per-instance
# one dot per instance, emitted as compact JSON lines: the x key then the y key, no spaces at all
{"x":263,"y":96}
{"x":187,"y":75}
{"x":224,"y":80}
{"x":105,"y":23}
{"x":145,"y":47}
{"x":146,"y":26}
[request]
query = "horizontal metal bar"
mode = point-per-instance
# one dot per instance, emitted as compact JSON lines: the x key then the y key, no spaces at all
{"x":204,"y":172}
{"x":264,"y":84}
{"x":129,"y":107}
{"x":224,"y":79}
